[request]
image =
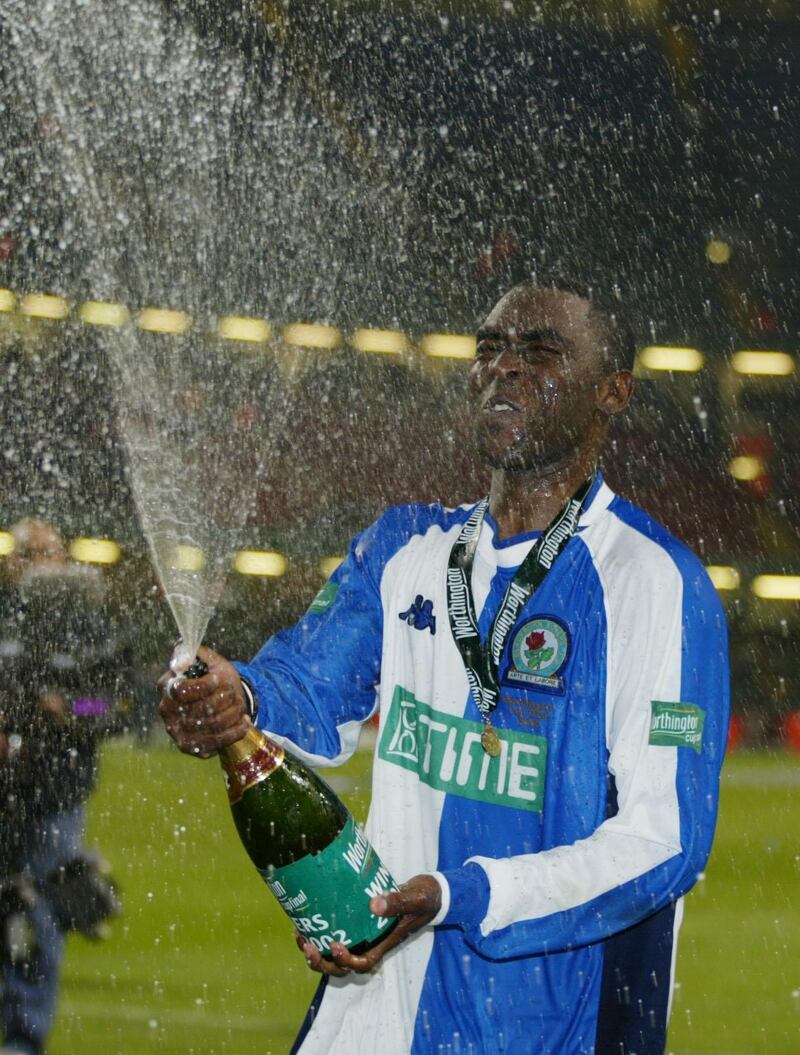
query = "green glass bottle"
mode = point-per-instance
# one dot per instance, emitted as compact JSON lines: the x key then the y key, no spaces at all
{"x":305,"y":844}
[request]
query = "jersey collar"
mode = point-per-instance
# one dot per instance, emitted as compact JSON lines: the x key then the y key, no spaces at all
{"x":599,"y":499}
{"x":509,"y":553}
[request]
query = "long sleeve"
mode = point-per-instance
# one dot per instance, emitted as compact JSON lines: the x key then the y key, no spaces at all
{"x":315,"y":683}
{"x":667,"y":717}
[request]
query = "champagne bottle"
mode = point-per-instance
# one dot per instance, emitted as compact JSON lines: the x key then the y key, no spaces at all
{"x":304,"y":842}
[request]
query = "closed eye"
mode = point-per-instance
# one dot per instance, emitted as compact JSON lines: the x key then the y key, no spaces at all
{"x":488,"y":349}
{"x":546,"y":340}
{"x":535,"y":348}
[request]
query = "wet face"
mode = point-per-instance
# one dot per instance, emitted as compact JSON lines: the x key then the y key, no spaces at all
{"x":538,"y":384}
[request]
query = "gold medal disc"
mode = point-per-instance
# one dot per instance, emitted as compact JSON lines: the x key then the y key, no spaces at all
{"x":490,"y":741}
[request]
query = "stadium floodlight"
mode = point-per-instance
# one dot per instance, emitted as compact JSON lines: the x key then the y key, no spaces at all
{"x":260,"y":562}
{"x":380,"y":342}
{"x":777,"y":587}
{"x":666,"y":357}
{"x":312,"y":335}
{"x":8,"y":300}
{"x":244,"y":328}
{"x":44,"y":306}
{"x":103,"y":313}
{"x":328,"y":565}
{"x":7,"y":544}
{"x":724,"y":577}
{"x":188,"y":558}
{"x":95,"y":550}
{"x":449,"y":346}
{"x":718,"y":251}
{"x":763,"y":364}
{"x":746,"y":467}
{"x":163,"y":320}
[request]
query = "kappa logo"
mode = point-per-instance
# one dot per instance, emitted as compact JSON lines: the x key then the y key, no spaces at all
{"x":420,"y":615}
{"x":538,"y":653}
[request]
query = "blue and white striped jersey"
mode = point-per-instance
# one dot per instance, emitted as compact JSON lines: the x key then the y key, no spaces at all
{"x":562,"y":860}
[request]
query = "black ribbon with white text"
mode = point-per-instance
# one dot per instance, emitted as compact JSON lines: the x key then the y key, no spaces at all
{"x":481,"y":664}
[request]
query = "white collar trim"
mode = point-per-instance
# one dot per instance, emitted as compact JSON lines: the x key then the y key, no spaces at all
{"x":513,"y":556}
{"x":600,"y":503}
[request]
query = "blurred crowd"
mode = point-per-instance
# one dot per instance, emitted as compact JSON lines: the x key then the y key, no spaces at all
{"x":319,"y":442}
{"x":62,"y":672}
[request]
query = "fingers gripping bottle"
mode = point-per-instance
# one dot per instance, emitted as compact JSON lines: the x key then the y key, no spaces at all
{"x":304,"y":842}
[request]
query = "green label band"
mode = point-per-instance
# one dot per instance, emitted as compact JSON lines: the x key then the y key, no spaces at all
{"x":326,"y":895}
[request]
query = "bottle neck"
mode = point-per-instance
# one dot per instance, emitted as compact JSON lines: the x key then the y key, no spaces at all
{"x":249,"y":761}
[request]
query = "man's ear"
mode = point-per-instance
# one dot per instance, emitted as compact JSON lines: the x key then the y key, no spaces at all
{"x":614,"y":392}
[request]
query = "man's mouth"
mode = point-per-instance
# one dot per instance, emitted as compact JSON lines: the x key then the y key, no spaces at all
{"x":496,"y":405}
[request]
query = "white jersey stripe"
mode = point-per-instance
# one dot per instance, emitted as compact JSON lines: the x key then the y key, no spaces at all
{"x":676,"y":927}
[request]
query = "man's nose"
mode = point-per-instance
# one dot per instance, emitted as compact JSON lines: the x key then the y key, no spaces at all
{"x":505,"y":364}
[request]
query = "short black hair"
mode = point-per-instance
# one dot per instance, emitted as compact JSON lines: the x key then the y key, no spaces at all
{"x":605,"y":310}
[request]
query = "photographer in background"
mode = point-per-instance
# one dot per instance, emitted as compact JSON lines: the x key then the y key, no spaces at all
{"x":57,"y":667}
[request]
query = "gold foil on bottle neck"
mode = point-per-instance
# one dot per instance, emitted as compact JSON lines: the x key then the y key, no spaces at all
{"x":249,"y":761}
{"x":244,"y":748}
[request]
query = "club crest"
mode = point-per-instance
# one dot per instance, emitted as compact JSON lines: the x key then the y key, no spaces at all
{"x":538,"y":653}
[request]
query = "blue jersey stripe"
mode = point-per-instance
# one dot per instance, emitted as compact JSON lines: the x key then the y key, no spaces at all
{"x":634,"y":996}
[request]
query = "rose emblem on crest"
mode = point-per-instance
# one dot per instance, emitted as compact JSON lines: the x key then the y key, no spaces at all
{"x":537,"y":655}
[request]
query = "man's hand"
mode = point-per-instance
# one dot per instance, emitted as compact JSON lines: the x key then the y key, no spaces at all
{"x":204,"y":714}
{"x":416,"y":903}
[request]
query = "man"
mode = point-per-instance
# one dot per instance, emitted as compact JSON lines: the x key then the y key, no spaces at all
{"x":55,"y":657}
{"x":551,"y":788}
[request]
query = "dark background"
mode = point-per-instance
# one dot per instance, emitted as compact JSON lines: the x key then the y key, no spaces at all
{"x":605,"y":142}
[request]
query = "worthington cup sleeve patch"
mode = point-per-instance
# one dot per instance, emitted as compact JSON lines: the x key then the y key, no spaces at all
{"x":325,"y":598}
{"x":676,"y":724}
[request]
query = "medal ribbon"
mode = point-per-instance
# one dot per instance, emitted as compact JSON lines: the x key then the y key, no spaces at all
{"x":481,"y":663}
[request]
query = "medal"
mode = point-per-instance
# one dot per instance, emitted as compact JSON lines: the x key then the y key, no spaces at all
{"x":490,"y":741}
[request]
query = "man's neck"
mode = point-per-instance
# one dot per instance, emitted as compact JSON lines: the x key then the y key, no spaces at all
{"x":528,"y":500}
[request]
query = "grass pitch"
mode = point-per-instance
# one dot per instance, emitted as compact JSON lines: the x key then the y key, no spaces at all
{"x":203,"y":960}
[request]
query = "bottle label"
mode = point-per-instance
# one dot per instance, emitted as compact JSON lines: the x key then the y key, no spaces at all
{"x":326,"y":895}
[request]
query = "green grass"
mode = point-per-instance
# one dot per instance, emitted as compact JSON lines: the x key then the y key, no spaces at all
{"x":739,"y":959}
{"x":203,"y":960}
